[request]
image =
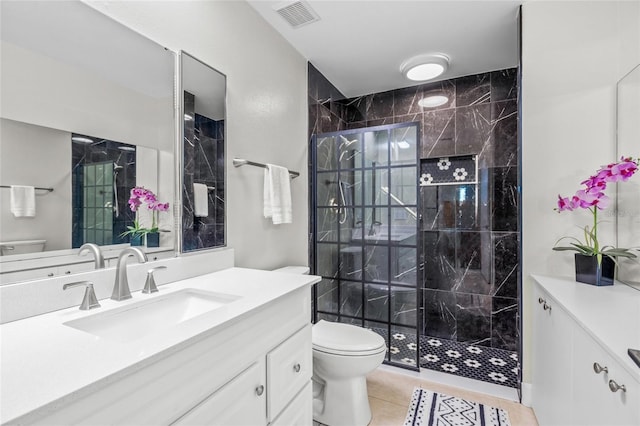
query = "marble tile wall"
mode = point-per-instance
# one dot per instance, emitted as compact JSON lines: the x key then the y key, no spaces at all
{"x":470,"y":247}
{"x":203,"y":163}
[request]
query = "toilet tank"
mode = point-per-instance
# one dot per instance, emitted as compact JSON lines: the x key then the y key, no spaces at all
{"x":21,"y":247}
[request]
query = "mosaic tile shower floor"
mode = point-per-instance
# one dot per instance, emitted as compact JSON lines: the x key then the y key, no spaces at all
{"x":472,"y":361}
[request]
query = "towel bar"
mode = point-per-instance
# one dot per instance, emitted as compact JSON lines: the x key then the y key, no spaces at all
{"x":37,"y":187}
{"x":237,"y":162}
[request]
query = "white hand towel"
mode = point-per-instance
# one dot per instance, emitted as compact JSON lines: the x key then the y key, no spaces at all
{"x":200,"y":200}
{"x":23,"y":201}
{"x":277,"y":195}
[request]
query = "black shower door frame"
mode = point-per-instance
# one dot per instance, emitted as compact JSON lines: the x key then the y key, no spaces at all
{"x":390,"y":206}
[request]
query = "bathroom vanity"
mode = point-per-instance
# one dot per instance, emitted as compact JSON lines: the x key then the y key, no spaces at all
{"x":229,"y":347}
{"x":582,"y":374}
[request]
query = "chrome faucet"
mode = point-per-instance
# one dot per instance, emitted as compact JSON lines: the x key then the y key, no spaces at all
{"x":121,"y":287}
{"x":89,"y":301}
{"x":97,"y":253}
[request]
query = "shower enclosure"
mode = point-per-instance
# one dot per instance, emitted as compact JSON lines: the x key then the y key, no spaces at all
{"x":444,"y":290}
{"x":366,"y":233}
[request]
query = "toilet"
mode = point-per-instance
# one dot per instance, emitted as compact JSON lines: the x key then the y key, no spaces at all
{"x":343,"y":355}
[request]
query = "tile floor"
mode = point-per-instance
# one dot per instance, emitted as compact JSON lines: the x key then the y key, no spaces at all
{"x":390,"y":394}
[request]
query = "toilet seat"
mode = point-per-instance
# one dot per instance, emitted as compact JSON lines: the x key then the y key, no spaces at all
{"x":346,"y":340}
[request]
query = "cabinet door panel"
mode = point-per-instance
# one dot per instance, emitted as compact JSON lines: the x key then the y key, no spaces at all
{"x":289,"y":368}
{"x":552,"y":358}
{"x":595,"y":403}
{"x":223,"y":407}
{"x":299,"y":412}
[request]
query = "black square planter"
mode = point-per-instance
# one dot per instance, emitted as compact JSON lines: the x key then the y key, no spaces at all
{"x":589,"y":272}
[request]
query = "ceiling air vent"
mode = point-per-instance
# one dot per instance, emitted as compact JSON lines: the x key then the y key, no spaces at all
{"x":297,"y":13}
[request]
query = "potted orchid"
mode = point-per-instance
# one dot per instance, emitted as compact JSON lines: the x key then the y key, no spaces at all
{"x":595,"y":263}
{"x":139,"y":196}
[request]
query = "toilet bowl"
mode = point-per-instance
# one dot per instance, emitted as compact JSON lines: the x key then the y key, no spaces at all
{"x":343,"y":355}
{"x":21,"y":247}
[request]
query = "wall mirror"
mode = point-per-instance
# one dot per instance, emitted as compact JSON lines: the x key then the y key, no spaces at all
{"x":87,"y":114}
{"x":628,"y":193}
{"x":203,"y":94}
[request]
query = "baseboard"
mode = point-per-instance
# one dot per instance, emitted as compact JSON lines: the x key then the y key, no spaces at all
{"x":526,"y":394}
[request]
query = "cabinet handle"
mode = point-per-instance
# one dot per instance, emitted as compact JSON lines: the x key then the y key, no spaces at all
{"x":546,"y":307}
{"x":599,"y":369}
{"x":50,"y":274}
{"x":541,"y":300}
{"x":616,"y":387}
{"x":296,"y":368}
{"x":67,"y":272}
{"x":260,"y":390}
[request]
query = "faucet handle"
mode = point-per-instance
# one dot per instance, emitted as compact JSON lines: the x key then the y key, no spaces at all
{"x":89,"y":301}
{"x":150,"y":284}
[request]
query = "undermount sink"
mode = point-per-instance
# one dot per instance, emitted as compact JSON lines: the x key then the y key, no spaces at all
{"x":137,"y":320}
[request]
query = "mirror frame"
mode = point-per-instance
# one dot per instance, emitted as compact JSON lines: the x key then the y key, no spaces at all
{"x":179,"y":156}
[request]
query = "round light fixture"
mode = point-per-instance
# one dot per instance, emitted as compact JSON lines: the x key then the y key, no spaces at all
{"x":425,"y":67}
{"x":81,"y":139}
{"x":433,"y":101}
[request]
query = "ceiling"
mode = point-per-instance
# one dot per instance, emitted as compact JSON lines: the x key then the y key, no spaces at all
{"x":360,"y":45}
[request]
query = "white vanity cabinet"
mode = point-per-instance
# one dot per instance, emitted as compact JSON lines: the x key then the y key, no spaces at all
{"x":580,"y":337}
{"x":254,"y":369}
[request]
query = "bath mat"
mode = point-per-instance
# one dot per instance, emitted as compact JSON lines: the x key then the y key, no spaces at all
{"x":429,"y":408}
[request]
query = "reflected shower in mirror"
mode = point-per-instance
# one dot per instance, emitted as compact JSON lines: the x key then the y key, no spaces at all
{"x":103,"y":173}
{"x":203,"y":154}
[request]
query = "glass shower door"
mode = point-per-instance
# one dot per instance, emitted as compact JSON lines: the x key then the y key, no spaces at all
{"x":365,"y":232}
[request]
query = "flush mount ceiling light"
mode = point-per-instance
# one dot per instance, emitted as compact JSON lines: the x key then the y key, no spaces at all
{"x":433,"y":101}
{"x":425,"y":67}
{"x":81,"y":139}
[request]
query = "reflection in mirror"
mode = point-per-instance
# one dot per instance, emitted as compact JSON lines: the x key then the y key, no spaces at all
{"x":628,"y":193}
{"x":69,"y":71}
{"x":203,"y":147}
{"x":103,"y":172}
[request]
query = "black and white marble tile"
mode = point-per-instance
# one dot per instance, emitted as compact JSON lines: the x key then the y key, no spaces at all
{"x":473,"y":90}
{"x":504,"y":324}
{"x":504,"y":84}
{"x":473,"y":130}
{"x":504,"y":129}
{"x":438,"y":133}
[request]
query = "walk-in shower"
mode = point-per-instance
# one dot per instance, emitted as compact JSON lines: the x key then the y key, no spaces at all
{"x":420,"y":240}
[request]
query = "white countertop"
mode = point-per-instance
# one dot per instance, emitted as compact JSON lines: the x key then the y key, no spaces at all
{"x":610,"y":314}
{"x":43,"y":360}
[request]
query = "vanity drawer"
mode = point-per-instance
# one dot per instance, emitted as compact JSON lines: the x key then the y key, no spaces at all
{"x":299,"y":412}
{"x":289,"y":369}
{"x":222,"y":408}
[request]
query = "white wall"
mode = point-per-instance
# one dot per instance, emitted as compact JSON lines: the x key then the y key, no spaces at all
{"x":573,"y":55}
{"x":40,"y":90}
{"x":266,"y":111}
{"x":26,"y":150}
